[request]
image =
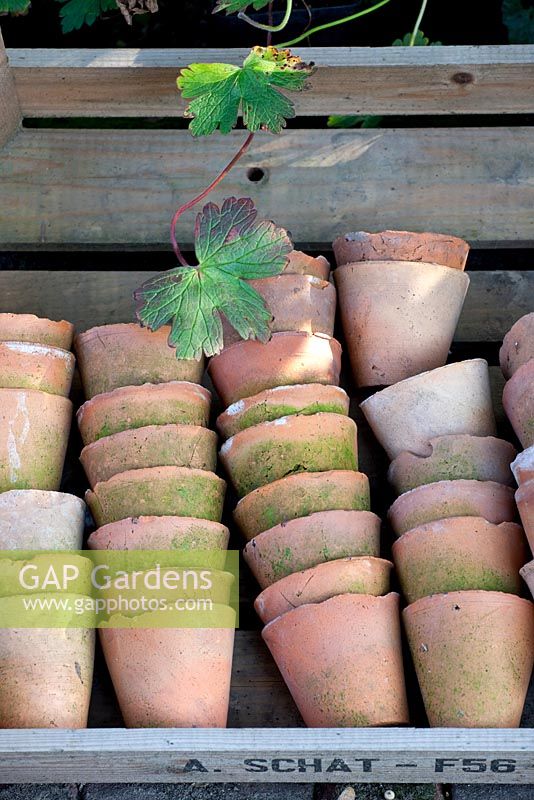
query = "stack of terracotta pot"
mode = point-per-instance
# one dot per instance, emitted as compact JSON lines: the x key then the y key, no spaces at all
{"x":46,"y":672}
{"x":150,"y":459}
{"x":290,"y":452}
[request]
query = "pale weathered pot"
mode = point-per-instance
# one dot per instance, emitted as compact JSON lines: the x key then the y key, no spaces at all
{"x":435,"y":248}
{"x":300,"y":263}
{"x":125,"y":354}
{"x":449,"y":400}
{"x":449,"y":555}
{"x":300,"y":495}
{"x":523,"y":466}
{"x":160,"y":533}
{"x":158,"y":491}
{"x":455,"y":457}
{"x":271,"y":450}
{"x":31,"y":519}
{"x":524,"y":498}
{"x":34,"y":429}
{"x":353,"y":575}
{"x":153,"y":446}
{"x":250,"y":367}
{"x":29,"y":328}
{"x":518,"y":345}
{"x":25,"y":365}
{"x":342,"y":661}
{"x":398,"y":318}
{"x":304,"y":542}
{"x":443,"y":499}
{"x":527,"y":573}
{"x":176,"y":402}
{"x":473,"y":653}
{"x":518,"y":402}
{"x":282,"y":401}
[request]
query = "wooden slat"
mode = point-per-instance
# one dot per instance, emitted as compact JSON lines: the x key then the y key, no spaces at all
{"x":121,"y":187}
{"x":431,"y":80}
{"x":10,"y":116}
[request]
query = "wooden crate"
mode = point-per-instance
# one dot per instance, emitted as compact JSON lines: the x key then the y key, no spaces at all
{"x":115,"y":190}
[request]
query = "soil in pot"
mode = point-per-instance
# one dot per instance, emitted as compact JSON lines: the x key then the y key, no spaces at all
{"x":24,"y":365}
{"x":160,"y":533}
{"x":518,"y":402}
{"x":525,"y":503}
{"x":523,"y":466}
{"x":433,"y":248}
{"x":518,"y":345}
{"x":300,"y":263}
{"x":31,"y":519}
{"x":29,"y":328}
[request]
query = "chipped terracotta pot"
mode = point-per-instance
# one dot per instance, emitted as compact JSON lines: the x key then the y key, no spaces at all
{"x":300,"y":495}
{"x":29,"y":328}
{"x":361,"y":575}
{"x":449,"y":400}
{"x":25,"y":365}
{"x":300,"y":263}
{"x":473,"y":653}
{"x":153,"y":446}
{"x":287,"y":446}
{"x":527,"y":573}
{"x":487,"y":499}
{"x":455,"y":457}
{"x":518,"y":345}
{"x":434,"y":248}
{"x":518,"y":402}
{"x":176,"y":402}
{"x":525,"y":503}
{"x":301,"y":543}
{"x":31,"y":519}
{"x":282,"y":401}
{"x":342,"y":661}
{"x":157,"y":491}
{"x":250,"y":367}
{"x":34,"y":429}
{"x":449,"y":555}
{"x":160,"y":533}
{"x":125,"y":354}
{"x":523,"y":466}
{"x":398,"y":318}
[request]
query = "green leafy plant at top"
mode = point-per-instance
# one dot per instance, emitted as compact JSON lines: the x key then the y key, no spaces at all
{"x":519,"y":20}
{"x":15,"y":7}
{"x":75,"y":13}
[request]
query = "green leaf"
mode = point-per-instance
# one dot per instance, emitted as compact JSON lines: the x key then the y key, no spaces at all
{"x":233,"y":6}
{"x":519,"y":20}
{"x":231,"y":246}
{"x":76,"y":13}
{"x":353,"y":121}
{"x":218,"y":92}
{"x":420,"y":41}
{"x":15,"y":7}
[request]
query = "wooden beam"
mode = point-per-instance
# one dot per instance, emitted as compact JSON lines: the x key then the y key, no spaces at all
{"x":350,"y":80}
{"x":10,"y":116}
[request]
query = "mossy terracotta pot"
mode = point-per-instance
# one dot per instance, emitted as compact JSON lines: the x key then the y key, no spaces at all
{"x":398,"y":318}
{"x":289,"y":445}
{"x":29,"y":328}
{"x":32,"y":519}
{"x":523,"y":466}
{"x":527,"y":573}
{"x":449,"y":555}
{"x":449,"y":400}
{"x":25,"y":365}
{"x":300,"y":495}
{"x":307,"y":541}
{"x":360,"y":575}
{"x":518,"y":402}
{"x":473,"y":654}
{"x":282,"y":401}
{"x":34,"y":429}
{"x":487,"y":499}
{"x":160,"y":492}
{"x":124,"y":354}
{"x":250,"y":367}
{"x":300,"y":263}
{"x":178,"y":583}
{"x":525,"y":503}
{"x":518,"y":345}
{"x":160,"y":533}
{"x":342,"y":661}
{"x":153,"y":446}
{"x":435,"y":248}
{"x":455,"y":457}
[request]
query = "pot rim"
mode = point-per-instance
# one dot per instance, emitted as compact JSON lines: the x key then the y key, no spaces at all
{"x":129,"y":476}
{"x":36,"y":349}
{"x":463,"y":483}
{"x":35,"y":316}
{"x":408,"y":267}
{"x":5,"y":497}
{"x":282,"y":525}
{"x":57,"y":398}
{"x":525,"y":491}
{"x":118,"y":630}
{"x":514,"y":389}
{"x":294,"y":477}
{"x":302,"y":334}
{"x":171,"y":427}
{"x":504,"y":443}
{"x":524,"y":459}
{"x":472,"y":596}
{"x":288,"y":420}
{"x":299,"y":277}
{"x":527,"y":569}
{"x":425,"y":529}
{"x":142,"y":389}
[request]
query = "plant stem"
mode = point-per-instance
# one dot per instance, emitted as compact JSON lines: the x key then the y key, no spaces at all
{"x":311,"y":31}
{"x":270,"y":21}
{"x":242,"y":150}
{"x":269,"y":28}
{"x":418,"y":22}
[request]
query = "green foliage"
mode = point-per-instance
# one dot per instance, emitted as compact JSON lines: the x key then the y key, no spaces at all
{"x":15,"y":7}
{"x":519,"y":19}
{"x":231,"y":246}
{"x":420,"y":41}
{"x":233,"y":6}
{"x":76,"y":13}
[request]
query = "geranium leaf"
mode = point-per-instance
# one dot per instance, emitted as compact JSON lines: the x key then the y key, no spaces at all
{"x":420,"y":41}
{"x":76,"y":13}
{"x":15,"y":7}
{"x":233,"y":6}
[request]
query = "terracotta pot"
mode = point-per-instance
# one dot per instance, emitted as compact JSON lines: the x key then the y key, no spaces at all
{"x":31,"y":519}
{"x":342,"y":661}
{"x":300,"y":495}
{"x":250,"y":367}
{"x":296,"y":302}
{"x":518,"y":402}
{"x":24,"y":365}
{"x":398,"y":318}
{"x":473,"y":653}
{"x":160,"y":533}
{"x":460,"y":553}
{"x":449,"y":400}
{"x":176,"y":402}
{"x":525,"y":503}
{"x":362,"y":575}
{"x":150,"y":667}
{"x":527,"y":573}
{"x":434,"y":248}
{"x":282,"y":401}
{"x":34,"y":429}
{"x":189,"y":587}
{"x":289,"y":445}
{"x":456,"y":457}
{"x":153,"y":446}
{"x":487,"y":499}
{"x":523,"y":466}
{"x":300,"y":263}
{"x":518,"y":345}
{"x":29,"y":328}
{"x":307,"y":541}
{"x":124,"y":354}
{"x":158,"y":491}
